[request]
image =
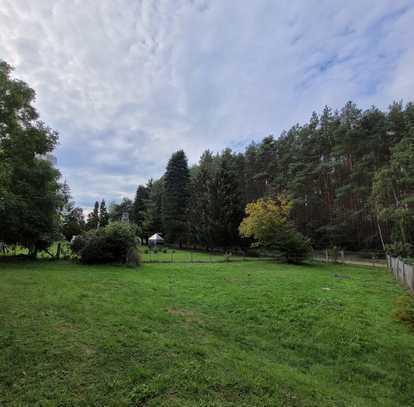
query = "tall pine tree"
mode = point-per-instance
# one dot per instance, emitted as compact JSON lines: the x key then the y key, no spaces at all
{"x":103,"y":215}
{"x":227,"y":204}
{"x":200,"y":212}
{"x":176,"y":198}
{"x":152,"y":222}
{"x":140,"y":203}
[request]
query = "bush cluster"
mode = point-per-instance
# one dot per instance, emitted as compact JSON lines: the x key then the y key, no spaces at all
{"x":399,"y":249}
{"x":115,"y":243}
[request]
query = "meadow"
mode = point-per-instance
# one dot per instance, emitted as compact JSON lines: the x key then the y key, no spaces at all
{"x":219,"y":334}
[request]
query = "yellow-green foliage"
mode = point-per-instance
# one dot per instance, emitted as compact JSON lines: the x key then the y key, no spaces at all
{"x":268,"y":223}
{"x":265,"y":218}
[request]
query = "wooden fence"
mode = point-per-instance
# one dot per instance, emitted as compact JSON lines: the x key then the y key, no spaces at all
{"x":402,"y":271}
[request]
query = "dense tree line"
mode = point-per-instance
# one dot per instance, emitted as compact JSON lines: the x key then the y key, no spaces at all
{"x":350,"y":174}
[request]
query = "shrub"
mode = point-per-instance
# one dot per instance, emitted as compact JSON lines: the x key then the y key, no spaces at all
{"x":399,"y":249}
{"x":295,"y":247}
{"x":79,"y":242}
{"x":94,"y":251}
{"x":110,"y":244}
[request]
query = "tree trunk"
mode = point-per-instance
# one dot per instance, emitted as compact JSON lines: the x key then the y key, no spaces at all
{"x":58,"y":250}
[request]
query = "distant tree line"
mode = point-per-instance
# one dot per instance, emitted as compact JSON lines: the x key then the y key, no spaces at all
{"x":349,"y":173}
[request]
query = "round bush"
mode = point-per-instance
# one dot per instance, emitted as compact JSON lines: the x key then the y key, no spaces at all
{"x":110,"y":244}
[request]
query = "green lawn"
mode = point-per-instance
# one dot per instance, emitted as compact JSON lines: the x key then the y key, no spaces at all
{"x":226,"y":334}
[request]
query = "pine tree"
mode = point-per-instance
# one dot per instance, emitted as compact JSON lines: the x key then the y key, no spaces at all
{"x":139,"y":206}
{"x":227,"y":210}
{"x":152,"y":222}
{"x":176,"y":198}
{"x":93,"y":218}
{"x":200,"y":212}
{"x":103,"y":215}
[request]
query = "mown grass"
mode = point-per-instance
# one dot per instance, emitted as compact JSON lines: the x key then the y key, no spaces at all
{"x":228,"y":334}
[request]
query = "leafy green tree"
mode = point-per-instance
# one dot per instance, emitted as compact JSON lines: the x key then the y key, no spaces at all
{"x":176,"y":198}
{"x":74,"y":223}
{"x":103,"y":215}
{"x":72,"y":220}
{"x":30,"y":194}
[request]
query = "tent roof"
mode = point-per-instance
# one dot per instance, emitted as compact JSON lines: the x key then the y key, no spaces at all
{"x":156,"y":238}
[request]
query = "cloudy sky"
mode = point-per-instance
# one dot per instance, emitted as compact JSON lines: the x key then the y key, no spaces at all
{"x":128,"y":82}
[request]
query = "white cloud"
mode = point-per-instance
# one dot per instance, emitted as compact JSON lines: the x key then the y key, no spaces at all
{"x":127,"y":83}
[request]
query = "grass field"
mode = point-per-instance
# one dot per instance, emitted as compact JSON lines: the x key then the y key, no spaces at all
{"x":227,"y":334}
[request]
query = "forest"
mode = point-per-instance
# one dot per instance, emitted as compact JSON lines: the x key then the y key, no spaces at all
{"x":349,"y":173}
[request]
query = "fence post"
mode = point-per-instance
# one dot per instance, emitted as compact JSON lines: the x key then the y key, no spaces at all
{"x":342,"y":257}
{"x":326,"y":255}
{"x":411,"y":284}
{"x":403,"y":272}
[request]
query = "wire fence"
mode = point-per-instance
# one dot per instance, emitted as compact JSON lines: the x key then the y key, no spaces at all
{"x":168,"y":255}
{"x":363,"y":258}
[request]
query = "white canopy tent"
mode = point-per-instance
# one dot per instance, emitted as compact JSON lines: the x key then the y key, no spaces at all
{"x":155,"y":239}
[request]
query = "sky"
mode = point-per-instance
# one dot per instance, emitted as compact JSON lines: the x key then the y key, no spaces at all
{"x":128,"y":82}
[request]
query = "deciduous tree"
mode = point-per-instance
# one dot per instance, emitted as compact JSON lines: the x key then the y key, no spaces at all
{"x":30,"y":194}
